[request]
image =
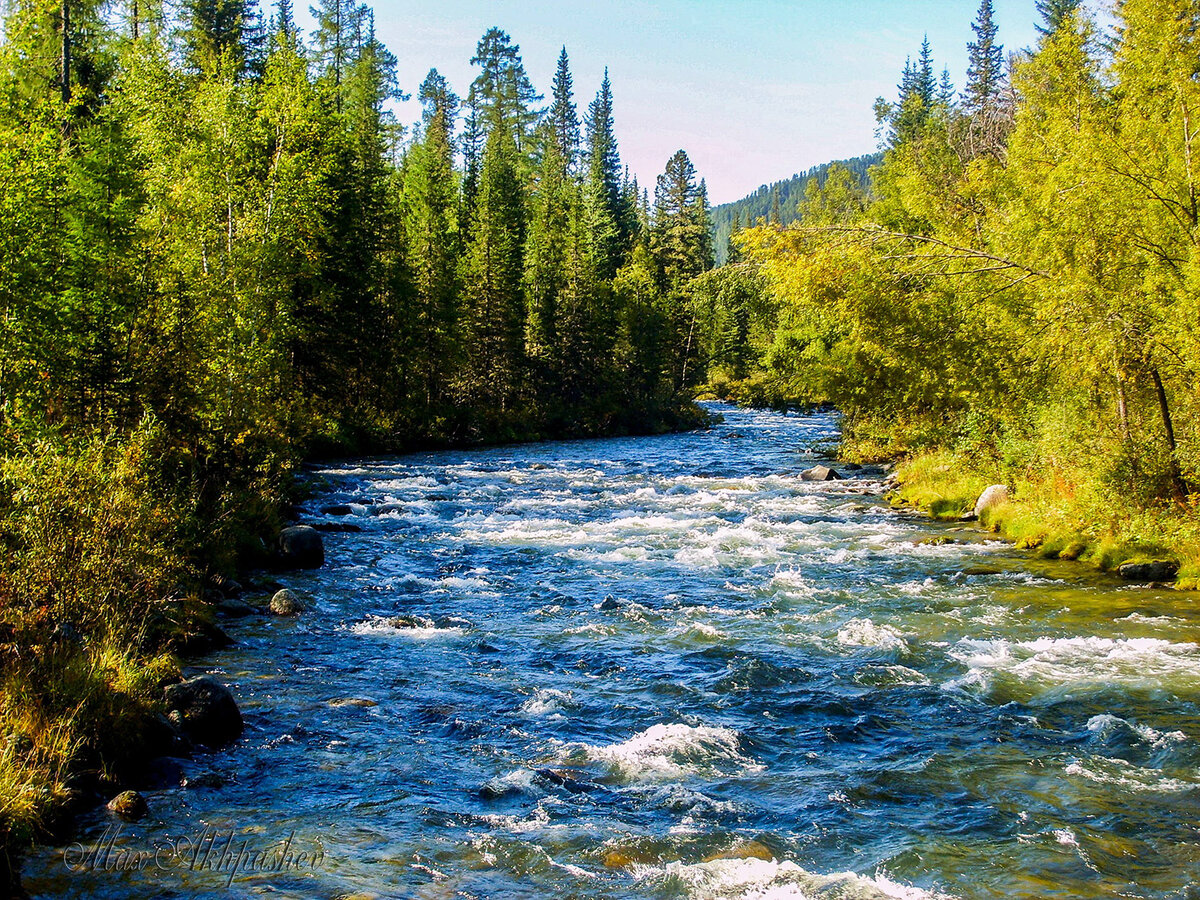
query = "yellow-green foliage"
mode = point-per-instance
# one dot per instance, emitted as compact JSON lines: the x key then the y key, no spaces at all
{"x":939,"y":483}
{"x":91,"y":552}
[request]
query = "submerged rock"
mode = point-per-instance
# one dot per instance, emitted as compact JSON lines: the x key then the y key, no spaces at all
{"x":301,"y":547}
{"x":1149,"y":570}
{"x":204,"y":710}
{"x":285,"y":603}
{"x":820,"y":473}
{"x":128,"y":805}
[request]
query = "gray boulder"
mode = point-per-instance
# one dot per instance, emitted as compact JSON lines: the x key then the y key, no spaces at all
{"x":204,"y":710}
{"x":285,"y":603}
{"x":992,"y":496}
{"x":301,"y":547}
{"x":820,"y":473}
{"x":1149,"y":570}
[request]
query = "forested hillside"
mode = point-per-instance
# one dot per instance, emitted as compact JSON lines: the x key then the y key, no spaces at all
{"x":1015,"y":299}
{"x":780,"y":201}
{"x":221,"y":254}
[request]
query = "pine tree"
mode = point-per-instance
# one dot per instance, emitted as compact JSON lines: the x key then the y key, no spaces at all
{"x":338,"y":24}
{"x":563,"y":115}
{"x":679,"y":235}
{"x":985,"y":63}
{"x":502,"y":94}
{"x":1054,"y":13}
{"x":610,"y":224}
{"x":222,"y":34}
{"x":432,"y":242}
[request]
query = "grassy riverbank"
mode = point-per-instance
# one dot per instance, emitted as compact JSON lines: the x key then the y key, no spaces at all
{"x":1059,"y":510}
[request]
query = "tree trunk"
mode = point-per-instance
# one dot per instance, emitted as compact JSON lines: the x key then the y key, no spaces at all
{"x":1179,"y":487}
{"x":66,"y":52}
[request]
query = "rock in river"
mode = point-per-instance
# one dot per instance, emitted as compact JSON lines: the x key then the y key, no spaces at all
{"x":300,"y":547}
{"x":128,"y":805}
{"x":820,"y":473}
{"x":992,"y":496}
{"x":1149,"y":570}
{"x":204,"y":710}
{"x":285,"y":603}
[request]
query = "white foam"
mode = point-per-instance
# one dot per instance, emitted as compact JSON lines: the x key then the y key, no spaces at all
{"x":544,"y":702}
{"x":376,"y":626}
{"x":759,"y":879}
{"x":1107,"y":723}
{"x":865,"y":633}
{"x":1132,"y":662}
{"x":1127,"y":776}
{"x":672,"y":752}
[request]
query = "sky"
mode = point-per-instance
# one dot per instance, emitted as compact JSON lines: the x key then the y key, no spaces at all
{"x":753,"y":90}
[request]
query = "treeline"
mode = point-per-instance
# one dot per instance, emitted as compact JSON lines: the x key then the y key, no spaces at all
{"x":779,"y":202}
{"x":222,"y":254}
{"x":1017,"y":294}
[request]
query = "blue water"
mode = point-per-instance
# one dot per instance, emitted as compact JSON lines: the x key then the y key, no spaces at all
{"x":668,"y":667}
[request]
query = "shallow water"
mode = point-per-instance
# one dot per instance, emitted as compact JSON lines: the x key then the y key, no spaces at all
{"x":667,"y":667}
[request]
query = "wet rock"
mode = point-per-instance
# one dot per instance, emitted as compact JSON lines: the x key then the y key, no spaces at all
{"x":204,"y":710}
{"x":1149,"y":570}
{"x":337,"y":509}
{"x":992,"y":496}
{"x":852,"y":467}
{"x":348,"y":527}
{"x":234,"y":609}
{"x":744,"y":850}
{"x":352,"y":701}
{"x":285,"y":603}
{"x":209,"y":780}
{"x":610,"y":604}
{"x":226,"y":587}
{"x":406,"y":621}
{"x":128,"y":805}
{"x":820,"y":473}
{"x":301,"y":547}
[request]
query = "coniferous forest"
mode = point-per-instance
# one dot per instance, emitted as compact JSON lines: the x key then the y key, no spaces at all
{"x":222,"y":255}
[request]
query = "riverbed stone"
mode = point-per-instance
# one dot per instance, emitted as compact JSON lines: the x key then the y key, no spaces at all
{"x":820,"y":473}
{"x":301,"y":547}
{"x":128,"y":805}
{"x":204,"y":710}
{"x":992,"y":496}
{"x":1149,"y":570}
{"x":285,"y":603}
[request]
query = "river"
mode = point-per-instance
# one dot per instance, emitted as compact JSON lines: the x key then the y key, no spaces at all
{"x":666,"y":667}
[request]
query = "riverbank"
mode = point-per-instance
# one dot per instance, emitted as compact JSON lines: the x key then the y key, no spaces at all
{"x":1052,"y":515}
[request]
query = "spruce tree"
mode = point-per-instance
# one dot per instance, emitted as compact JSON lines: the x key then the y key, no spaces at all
{"x":610,"y":224}
{"x":502,"y":94}
{"x":985,"y":63}
{"x":1054,"y":13}
{"x":563,"y":115}
{"x":222,"y":33}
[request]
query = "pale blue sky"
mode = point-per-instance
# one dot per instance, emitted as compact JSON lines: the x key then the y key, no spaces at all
{"x":752,"y":90}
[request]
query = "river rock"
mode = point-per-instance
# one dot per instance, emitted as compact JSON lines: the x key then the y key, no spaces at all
{"x":301,"y":547}
{"x":820,"y":473}
{"x":204,"y":710}
{"x":991,"y":497}
{"x":338,"y":509}
{"x":1149,"y":570}
{"x":128,"y":805}
{"x":285,"y":603}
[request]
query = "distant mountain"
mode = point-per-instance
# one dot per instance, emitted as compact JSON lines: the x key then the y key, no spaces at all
{"x":791,"y":192}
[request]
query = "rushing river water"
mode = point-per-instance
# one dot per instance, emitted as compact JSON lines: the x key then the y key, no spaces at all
{"x":667,"y":667}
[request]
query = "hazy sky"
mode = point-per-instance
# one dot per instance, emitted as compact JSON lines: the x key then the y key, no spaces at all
{"x":753,"y":90}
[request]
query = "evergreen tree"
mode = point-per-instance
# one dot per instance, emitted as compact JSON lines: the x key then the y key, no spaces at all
{"x":502,"y":95}
{"x":611,"y":222}
{"x":563,"y":116}
{"x":431,"y":245}
{"x":339,"y":22}
{"x":985,"y":63}
{"x":1054,"y":13}
{"x":222,"y":33}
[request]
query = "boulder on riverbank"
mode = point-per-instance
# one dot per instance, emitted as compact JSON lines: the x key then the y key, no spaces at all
{"x":992,"y":496}
{"x":820,"y":473}
{"x":300,"y":547}
{"x":204,"y":710}
{"x":1149,"y":570}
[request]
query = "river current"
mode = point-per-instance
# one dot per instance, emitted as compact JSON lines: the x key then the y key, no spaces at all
{"x":667,"y":667}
